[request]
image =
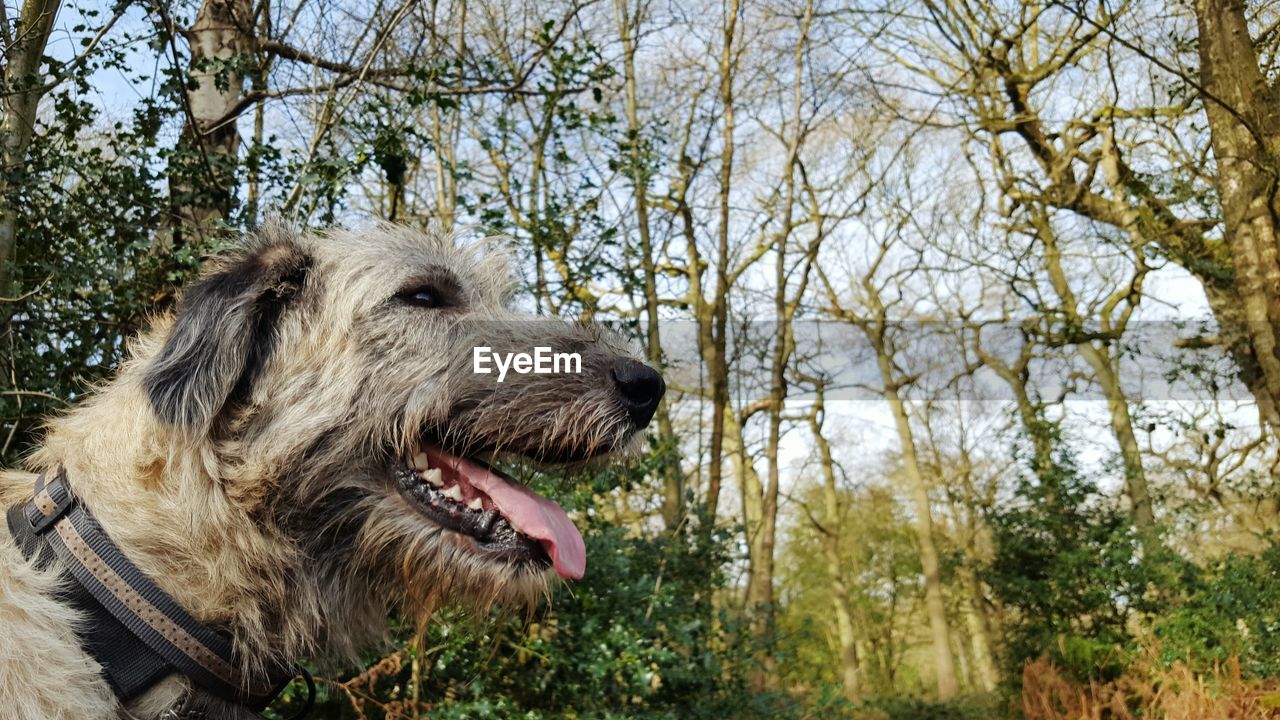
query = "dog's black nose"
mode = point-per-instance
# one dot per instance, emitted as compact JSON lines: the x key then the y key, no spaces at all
{"x":641,"y":388}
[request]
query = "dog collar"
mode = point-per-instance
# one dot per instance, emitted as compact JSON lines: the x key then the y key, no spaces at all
{"x":136,"y":632}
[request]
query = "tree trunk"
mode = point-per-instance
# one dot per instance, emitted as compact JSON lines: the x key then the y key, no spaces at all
{"x":1135,"y":476}
{"x":761,"y":603}
{"x":760,"y":600}
{"x":935,"y":604}
{"x":672,"y":476}
{"x":203,"y":183}
{"x":752,"y":490}
{"x":719,"y":368}
{"x":1244,"y":125}
{"x":1098,"y":356}
{"x":830,"y":532}
{"x":23,"y":89}
{"x":874,"y":323}
{"x":985,"y":674}
{"x":1038,"y":429}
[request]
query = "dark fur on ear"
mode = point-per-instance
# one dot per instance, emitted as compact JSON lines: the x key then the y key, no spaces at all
{"x":223,"y":332}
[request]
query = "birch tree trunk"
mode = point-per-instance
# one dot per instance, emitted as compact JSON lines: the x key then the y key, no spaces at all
{"x":203,"y":182}
{"x":23,"y":89}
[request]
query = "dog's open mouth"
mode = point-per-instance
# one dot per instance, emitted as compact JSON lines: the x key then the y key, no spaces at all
{"x":505,"y":518}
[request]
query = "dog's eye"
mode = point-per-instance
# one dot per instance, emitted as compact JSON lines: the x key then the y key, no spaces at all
{"x":425,"y":296}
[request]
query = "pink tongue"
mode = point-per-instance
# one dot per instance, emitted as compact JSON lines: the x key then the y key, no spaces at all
{"x":528,"y":512}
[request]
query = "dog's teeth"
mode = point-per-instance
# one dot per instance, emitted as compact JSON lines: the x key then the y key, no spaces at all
{"x":433,"y":476}
{"x":453,"y":492}
{"x":475,"y":504}
{"x":420,"y":461}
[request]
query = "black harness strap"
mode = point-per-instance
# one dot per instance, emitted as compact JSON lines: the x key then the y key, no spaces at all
{"x":136,"y":631}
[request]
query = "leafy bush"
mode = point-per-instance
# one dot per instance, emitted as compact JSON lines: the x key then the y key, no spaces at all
{"x":97,"y":253}
{"x":1233,"y":611}
{"x":638,"y":637}
{"x":1071,"y":570}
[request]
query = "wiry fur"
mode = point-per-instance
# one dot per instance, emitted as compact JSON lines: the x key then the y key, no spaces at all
{"x":242,"y":457}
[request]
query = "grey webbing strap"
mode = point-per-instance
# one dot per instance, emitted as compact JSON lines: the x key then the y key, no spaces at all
{"x":100,"y":567}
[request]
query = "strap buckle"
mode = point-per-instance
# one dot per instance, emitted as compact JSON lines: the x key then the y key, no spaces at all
{"x":49,"y":502}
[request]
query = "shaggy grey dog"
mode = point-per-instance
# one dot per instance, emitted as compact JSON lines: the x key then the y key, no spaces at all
{"x":303,"y":447}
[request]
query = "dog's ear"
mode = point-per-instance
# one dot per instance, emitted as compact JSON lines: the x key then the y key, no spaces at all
{"x":223,"y":333}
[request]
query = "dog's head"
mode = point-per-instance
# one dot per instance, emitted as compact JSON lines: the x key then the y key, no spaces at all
{"x":340,"y":382}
